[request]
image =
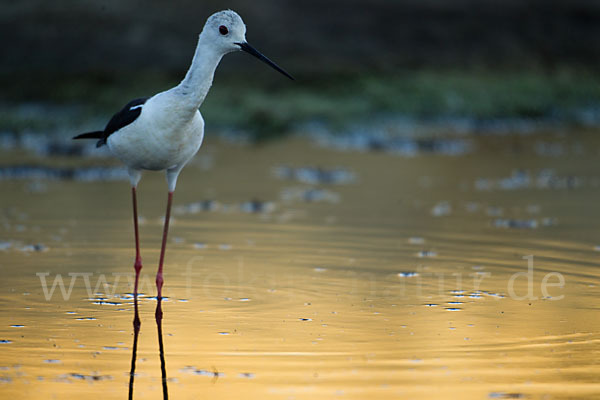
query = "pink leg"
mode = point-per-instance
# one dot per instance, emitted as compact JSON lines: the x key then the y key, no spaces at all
{"x":138,"y":257}
{"x":159,"y":274}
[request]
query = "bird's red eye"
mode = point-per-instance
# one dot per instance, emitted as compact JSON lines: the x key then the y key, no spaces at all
{"x":223,"y":30}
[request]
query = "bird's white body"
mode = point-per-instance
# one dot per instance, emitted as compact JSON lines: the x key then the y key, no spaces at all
{"x":165,"y":136}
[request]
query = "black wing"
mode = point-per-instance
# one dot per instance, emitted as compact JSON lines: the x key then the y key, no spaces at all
{"x":126,"y":116}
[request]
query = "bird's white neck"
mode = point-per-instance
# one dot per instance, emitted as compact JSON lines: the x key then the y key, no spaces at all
{"x":198,"y":80}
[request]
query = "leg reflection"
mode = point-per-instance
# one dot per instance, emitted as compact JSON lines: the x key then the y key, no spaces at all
{"x":163,"y":368}
{"x":136,"y":332}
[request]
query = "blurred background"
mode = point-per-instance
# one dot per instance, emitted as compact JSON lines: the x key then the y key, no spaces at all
{"x":463,"y":65}
{"x":340,"y":226}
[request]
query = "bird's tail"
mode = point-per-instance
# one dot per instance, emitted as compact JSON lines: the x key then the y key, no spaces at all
{"x":90,"y":135}
{"x":93,"y":135}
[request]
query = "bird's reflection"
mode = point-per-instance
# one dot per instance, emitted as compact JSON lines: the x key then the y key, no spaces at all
{"x":136,"y":332}
{"x":163,"y":367}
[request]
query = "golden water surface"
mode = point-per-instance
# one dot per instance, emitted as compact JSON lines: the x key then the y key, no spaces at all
{"x":407,"y":282}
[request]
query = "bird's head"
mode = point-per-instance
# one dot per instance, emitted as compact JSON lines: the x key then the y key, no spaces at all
{"x":227,"y":32}
{"x":225,"y":29}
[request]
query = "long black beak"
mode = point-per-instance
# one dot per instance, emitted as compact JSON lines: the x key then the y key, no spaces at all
{"x":251,"y":50}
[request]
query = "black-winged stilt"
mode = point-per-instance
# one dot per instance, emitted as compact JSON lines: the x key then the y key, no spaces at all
{"x":163,"y":132}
